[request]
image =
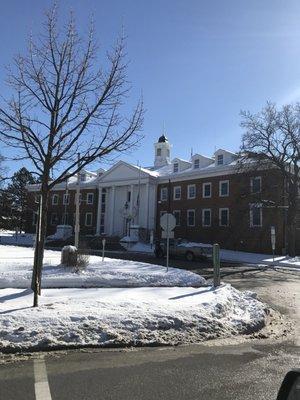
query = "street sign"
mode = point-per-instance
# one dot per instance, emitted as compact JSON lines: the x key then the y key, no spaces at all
{"x":167,"y":222}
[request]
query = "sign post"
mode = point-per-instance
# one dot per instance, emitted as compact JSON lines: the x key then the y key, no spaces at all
{"x":216,"y":261}
{"x":273,"y":241}
{"x":168,"y":223}
{"x":103,"y":248}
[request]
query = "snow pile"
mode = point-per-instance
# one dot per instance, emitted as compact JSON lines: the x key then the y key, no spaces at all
{"x":10,"y":237}
{"x":123,"y":317}
{"x":142,"y":247}
{"x":16,"y":270}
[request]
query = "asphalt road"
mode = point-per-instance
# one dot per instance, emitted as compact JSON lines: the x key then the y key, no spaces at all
{"x":250,"y":370}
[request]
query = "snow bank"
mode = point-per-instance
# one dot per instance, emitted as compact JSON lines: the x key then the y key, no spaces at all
{"x":122,"y":317}
{"x":16,"y":270}
{"x":10,"y":237}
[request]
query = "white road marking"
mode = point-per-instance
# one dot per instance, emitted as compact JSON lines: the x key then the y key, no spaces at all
{"x":41,"y":385}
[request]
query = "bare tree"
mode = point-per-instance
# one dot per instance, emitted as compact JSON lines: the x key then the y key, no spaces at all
{"x":62,"y":104}
{"x":272,"y":140}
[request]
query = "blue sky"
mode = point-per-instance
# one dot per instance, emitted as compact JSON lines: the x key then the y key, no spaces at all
{"x":198,"y":63}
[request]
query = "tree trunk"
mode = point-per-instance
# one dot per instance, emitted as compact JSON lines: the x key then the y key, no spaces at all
{"x":40,"y":244}
{"x":291,"y":230}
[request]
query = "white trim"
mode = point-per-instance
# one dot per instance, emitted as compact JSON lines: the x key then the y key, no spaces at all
{"x":251,"y":184}
{"x":187,"y":217}
{"x":220,"y":213}
{"x":188,"y":191}
{"x":174,"y":191}
{"x":55,"y":196}
{"x":87,"y":198}
{"x":85,"y":222}
{"x":251,"y":215}
{"x":220,"y":188}
{"x":66,"y":195}
{"x":203,"y":219}
{"x":177,"y":211}
{"x":203,"y":190}
{"x":161,"y":191}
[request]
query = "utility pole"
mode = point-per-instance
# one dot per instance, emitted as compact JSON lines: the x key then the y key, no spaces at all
{"x":77,"y":223}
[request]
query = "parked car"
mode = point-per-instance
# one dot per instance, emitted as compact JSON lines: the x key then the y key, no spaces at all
{"x":183,"y":247}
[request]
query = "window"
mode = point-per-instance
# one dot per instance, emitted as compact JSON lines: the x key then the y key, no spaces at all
{"x":88,"y":219}
{"x":128,"y":196}
{"x":191,"y":191}
{"x":190,"y":217}
{"x":65,"y":219}
{"x":175,"y":167}
{"x":206,"y":189}
{"x":255,"y":184}
{"x":220,"y":159}
{"x":158,"y":152}
{"x":197,"y":163}
{"x":66,"y":198}
{"x":55,"y":199}
{"x":177,"y":193}
{"x":54,"y":219}
{"x":255,"y":215}
{"x":176,"y":214}
{"x":90,"y":198}
{"x":164,"y":194}
{"x":34,"y":218}
{"x":224,"y":188}
{"x":83,"y":177}
{"x":223,"y":216}
{"x":206,"y":217}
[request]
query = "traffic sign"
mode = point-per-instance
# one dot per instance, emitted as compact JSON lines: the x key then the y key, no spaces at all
{"x":168,"y":222}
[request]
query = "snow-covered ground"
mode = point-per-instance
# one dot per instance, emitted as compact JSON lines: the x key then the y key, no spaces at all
{"x":256,"y":258}
{"x":16,"y":270}
{"x":10,"y":237}
{"x":139,"y":316}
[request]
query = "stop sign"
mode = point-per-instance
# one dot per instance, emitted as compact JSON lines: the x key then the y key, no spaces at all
{"x":168,"y":222}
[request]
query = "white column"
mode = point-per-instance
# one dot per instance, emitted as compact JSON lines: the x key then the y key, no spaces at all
{"x":131,"y":200}
{"x":112,"y":214}
{"x":147,"y":205}
{"x":99,"y":210}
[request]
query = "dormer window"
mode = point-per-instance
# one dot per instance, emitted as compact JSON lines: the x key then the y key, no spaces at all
{"x":220,"y":159}
{"x":83,"y":177}
{"x":197,"y":163}
{"x":158,"y":152}
{"x":175,"y":167}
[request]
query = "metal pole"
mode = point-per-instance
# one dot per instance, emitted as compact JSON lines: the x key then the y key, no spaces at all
{"x":77,"y":224}
{"x":103,"y":248}
{"x":216,"y":262}
{"x":168,"y":242}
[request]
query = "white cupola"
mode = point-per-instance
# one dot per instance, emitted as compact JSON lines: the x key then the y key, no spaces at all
{"x":162,"y":152}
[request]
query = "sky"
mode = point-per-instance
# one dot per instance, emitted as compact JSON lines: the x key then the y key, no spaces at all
{"x":197,"y":63}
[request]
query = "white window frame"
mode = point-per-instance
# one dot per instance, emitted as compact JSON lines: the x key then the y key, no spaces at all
{"x":188,"y":191}
{"x":66,"y":195}
{"x":174,"y":193}
{"x":34,"y":218}
{"x":220,"y":216}
{"x":87,"y":198}
{"x":220,"y":188}
{"x":220,"y":163}
{"x":203,"y":219}
{"x":203,"y":189}
{"x":187,"y":217}
{"x":179,"y":212}
{"x":176,"y":167}
{"x":251,"y":215}
{"x":85,"y":219}
{"x":197,"y":162}
{"x":164,"y":189}
{"x":251,"y":184}
{"x":55,"y":196}
{"x":51,"y":219}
